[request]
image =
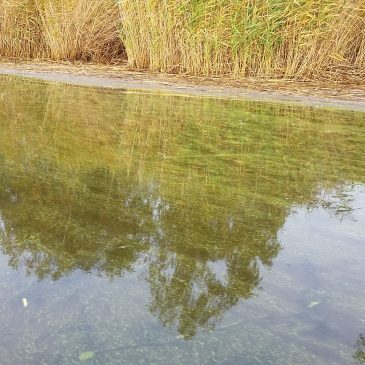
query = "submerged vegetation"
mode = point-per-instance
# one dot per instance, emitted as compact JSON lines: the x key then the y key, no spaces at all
{"x":271,"y":38}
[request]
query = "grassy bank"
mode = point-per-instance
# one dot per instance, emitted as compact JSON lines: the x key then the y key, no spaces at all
{"x":270,"y":38}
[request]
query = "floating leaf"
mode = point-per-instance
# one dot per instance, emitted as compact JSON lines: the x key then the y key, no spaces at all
{"x":86,"y":355}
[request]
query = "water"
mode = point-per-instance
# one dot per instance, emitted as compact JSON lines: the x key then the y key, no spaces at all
{"x":151,"y":229}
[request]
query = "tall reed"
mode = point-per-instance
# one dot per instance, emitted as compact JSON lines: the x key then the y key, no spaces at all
{"x":270,"y":38}
{"x":86,"y":30}
{"x":293,"y":38}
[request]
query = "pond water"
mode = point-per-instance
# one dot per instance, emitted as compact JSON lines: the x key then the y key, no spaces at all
{"x":150,"y":229}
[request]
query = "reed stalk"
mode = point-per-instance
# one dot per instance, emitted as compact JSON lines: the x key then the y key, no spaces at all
{"x":84,"y":30}
{"x":275,"y":38}
{"x":305,"y":39}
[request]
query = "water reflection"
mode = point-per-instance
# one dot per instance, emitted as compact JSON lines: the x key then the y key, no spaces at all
{"x":196,"y":191}
{"x":359,"y":354}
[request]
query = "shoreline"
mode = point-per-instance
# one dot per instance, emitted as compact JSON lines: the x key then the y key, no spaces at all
{"x":349,"y":97}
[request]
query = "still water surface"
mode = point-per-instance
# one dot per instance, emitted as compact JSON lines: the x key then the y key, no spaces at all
{"x":151,"y":229}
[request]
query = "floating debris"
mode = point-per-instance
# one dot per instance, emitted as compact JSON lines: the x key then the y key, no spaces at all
{"x":25,"y":302}
{"x":313,"y":304}
{"x":87,"y":355}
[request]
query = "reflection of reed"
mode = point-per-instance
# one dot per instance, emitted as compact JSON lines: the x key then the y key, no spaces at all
{"x":273,"y":153}
{"x":87,"y":165}
{"x":194,"y":142}
{"x":359,"y":355}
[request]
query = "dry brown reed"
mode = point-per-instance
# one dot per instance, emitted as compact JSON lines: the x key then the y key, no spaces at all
{"x":302,"y":39}
{"x":85,"y":30}
{"x":275,"y":38}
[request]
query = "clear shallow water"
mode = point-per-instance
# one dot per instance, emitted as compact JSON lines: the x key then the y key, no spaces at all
{"x":148,"y":229}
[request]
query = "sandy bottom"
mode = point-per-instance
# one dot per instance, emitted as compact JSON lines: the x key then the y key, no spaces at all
{"x":333,"y":95}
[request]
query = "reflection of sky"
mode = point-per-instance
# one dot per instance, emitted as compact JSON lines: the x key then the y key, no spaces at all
{"x":317,"y":283}
{"x":322,"y":252}
{"x":219,"y":269}
{"x":2,"y":225}
{"x":309,"y":308}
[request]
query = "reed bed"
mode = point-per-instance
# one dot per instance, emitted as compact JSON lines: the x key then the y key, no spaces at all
{"x":275,"y":38}
{"x":85,"y":30}
{"x":302,"y":39}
